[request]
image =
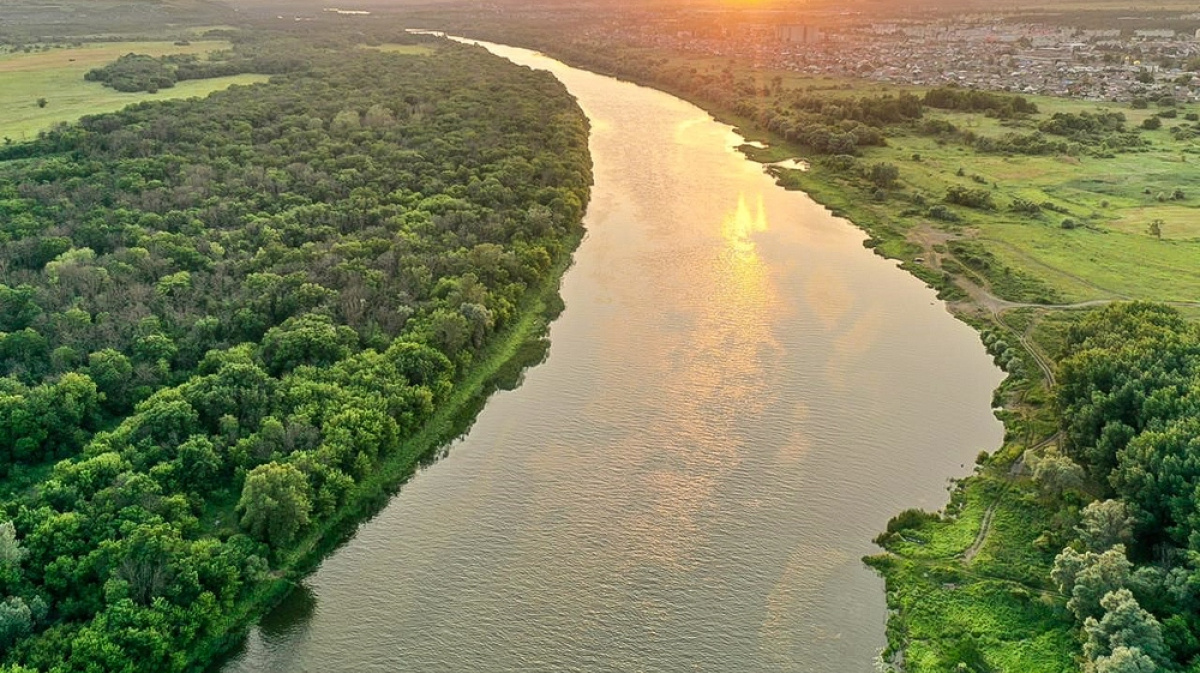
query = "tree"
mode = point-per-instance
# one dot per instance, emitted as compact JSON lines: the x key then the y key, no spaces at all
{"x":449,"y":331}
{"x":310,"y":339}
{"x":379,"y":116}
{"x":275,"y":503}
{"x":1155,"y":228}
{"x":1125,"y":660}
{"x":1056,"y":474}
{"x":11,"y":552}
{"x":113,"y":375}
{"x":346,"y":121}
{"x":1124,"y":625}
{"x":1087,"y":578}
{"x":1105,"y":523}
{"x":16,"y":621}
{"x":198,"y":464}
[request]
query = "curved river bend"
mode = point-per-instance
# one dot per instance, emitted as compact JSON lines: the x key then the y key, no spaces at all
{"x":737,"y":398}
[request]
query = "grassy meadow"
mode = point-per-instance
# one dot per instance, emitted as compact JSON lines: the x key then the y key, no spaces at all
{"x":57,"y":76}
{"x":1111,"y":254}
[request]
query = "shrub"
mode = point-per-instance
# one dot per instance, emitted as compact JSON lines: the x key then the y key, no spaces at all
{"x":941,"y":212}
{"x":1020,"y":205}
{"x":980,"y":199}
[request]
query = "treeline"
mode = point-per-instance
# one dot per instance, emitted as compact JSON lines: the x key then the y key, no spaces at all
{"x":829,"y":122}
{"x":139,"y":72}
{"x":1127,"y":482}
{"x":837,"y":125}
{"x":1002,"y":106}
{"x":221,"y":315}
{"x":1096,"y":131}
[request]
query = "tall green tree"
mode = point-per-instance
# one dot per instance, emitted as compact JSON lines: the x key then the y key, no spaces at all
{"x":275,"y":503}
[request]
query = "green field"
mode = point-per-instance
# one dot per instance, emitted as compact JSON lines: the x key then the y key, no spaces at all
{"x":57,"y":76}
{"x":1111,"y":255}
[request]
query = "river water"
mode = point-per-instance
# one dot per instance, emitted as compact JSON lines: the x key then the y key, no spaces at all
{"x":737,"y":398}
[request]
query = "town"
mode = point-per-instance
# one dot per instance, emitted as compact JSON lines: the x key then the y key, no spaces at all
{"x":1120,"y":64}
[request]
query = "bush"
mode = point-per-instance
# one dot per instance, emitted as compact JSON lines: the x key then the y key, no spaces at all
{"x":1152,"y":123}
{"x":979,"y":199}
{"x":909,"y":519}
{"x":941,"y":212}
{"x":883,"y":175}
{"x":1020,"y":205}
{"x":134,"y":72}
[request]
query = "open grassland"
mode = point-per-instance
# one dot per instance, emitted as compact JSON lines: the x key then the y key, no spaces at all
{"x":57,"y":76}
{"x":1097,"y":245}
{"x":1110,"y":252}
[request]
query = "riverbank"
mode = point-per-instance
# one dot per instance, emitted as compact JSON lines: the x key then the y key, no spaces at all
{"x":499,"y":367}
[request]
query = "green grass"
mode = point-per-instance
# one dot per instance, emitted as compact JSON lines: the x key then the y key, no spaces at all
{"x":57,"y":76}
{"x":998,"y":601}
{"x":1113,"y":254}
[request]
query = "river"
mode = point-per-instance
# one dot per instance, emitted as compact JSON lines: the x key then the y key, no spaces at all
{"x":737,"y":398}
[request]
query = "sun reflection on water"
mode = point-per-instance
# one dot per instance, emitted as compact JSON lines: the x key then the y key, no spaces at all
{"x":715,"y":380}
{"x":740,"y":226}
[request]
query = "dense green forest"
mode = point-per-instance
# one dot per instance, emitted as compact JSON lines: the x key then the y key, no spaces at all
{"x":218,"y":316}
{"x":1129,"y":480}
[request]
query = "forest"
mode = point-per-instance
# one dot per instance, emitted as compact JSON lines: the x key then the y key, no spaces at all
{"x":218,"y":316}
{"x":1128,"y":475}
